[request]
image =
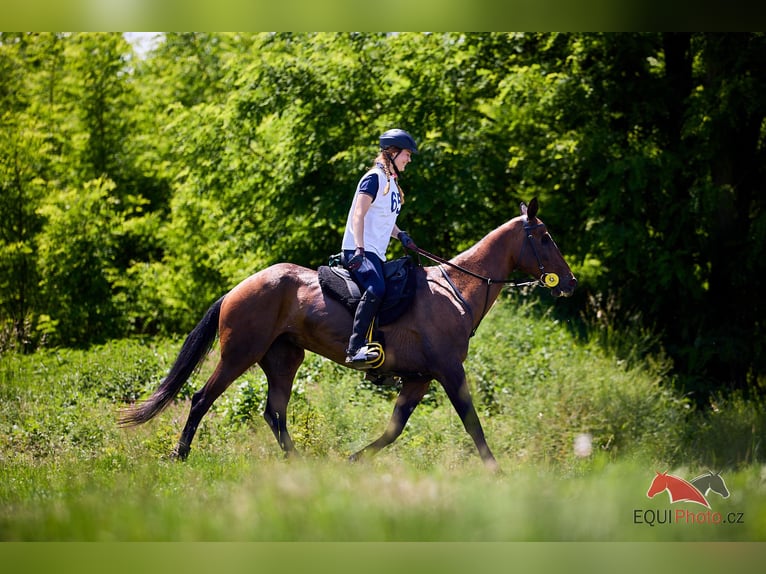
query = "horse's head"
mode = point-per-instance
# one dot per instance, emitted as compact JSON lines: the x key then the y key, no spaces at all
{"x":659,"y":484}
{"x":540,"y":256}
{"x":717,"y":484}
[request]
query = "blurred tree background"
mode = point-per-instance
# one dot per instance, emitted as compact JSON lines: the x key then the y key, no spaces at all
{"x":135,"y":189}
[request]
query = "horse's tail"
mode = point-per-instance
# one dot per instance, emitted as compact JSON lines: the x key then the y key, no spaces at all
{"x":193,"y":351}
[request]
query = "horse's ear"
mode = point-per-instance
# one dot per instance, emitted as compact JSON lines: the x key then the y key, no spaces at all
{"x":523,"y":208}
{"x":532,"y":210}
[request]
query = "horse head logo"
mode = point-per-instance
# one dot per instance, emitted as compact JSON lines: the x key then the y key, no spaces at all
{"x":678,"y":489}
{"x":711,"y":481}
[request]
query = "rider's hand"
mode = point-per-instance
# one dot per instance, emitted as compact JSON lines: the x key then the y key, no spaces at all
{"x":356,"y":261}
{"x":407,"y":241}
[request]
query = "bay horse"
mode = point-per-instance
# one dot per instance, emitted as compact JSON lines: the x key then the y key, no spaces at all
{"x":272,"y":317}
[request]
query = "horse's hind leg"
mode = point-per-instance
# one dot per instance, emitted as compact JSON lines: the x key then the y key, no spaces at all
{"x":223,"y":375}
{"x":280,"y":364}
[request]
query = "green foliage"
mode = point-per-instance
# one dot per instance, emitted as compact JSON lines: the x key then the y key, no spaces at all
{"x":525,"y":368}
{"x":730,"y":433}
{"x":24,"y":144}
{"x":76,"y":254}
{"x":224,"y":153}
{"x":65,"y":400}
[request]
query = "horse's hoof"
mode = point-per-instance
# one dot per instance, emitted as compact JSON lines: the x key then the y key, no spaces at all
{"x":292,"y":454}
{"x":179,"y":454}
{"x":491,"y":465}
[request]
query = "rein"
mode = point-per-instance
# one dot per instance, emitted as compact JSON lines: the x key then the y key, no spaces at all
{"x":488,"y":281}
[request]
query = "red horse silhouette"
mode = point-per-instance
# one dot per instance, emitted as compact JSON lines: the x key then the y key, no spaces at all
{"x":679,"y":489}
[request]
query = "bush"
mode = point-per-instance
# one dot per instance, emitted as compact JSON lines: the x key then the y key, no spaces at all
{"x":730,"y":435}
{"x":527,"y":368}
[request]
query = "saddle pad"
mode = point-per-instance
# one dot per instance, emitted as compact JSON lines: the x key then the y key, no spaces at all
{"x":401,"y":282}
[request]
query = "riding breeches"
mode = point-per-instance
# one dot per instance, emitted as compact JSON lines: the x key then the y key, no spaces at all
{"x":370,"y":279}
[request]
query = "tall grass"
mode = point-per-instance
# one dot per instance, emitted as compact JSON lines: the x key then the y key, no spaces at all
{"x":67,"y":472}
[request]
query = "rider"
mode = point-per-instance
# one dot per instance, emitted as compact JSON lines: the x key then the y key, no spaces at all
{"x":371,"y":223}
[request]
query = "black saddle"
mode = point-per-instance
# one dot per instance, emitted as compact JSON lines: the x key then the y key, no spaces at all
{"x":401,"y":282}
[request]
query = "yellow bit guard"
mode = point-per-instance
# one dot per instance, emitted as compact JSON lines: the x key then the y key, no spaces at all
{"x":551,"y":279}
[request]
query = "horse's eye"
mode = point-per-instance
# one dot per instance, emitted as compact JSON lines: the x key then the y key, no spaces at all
{"x":546,"y":239}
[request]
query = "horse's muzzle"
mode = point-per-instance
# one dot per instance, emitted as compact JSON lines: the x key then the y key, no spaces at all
{"x":565,"y":288}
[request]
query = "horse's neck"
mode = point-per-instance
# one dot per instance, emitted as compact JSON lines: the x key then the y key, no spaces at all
{"x":493,"y":256}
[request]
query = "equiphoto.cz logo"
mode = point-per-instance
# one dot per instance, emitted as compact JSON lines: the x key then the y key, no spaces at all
{"x":695,"y":491}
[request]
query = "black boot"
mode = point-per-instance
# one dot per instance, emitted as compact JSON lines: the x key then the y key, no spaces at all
{"x":358,"y":353}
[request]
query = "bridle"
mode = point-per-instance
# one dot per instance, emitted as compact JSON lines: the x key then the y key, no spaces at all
{"x":549,"y":280}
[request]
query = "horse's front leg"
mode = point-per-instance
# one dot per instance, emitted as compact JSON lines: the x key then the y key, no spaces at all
{"x":411,"y":393}
{"x":460,"y":396}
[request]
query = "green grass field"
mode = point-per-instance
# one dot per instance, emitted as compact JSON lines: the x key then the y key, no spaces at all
{"x":69,"y":473}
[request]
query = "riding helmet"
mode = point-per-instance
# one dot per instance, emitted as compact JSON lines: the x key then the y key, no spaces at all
{"x":398,"y":138}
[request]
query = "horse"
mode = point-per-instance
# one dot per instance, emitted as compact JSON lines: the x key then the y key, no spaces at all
{"x":274,"y":316}
{"x":711,"y":481}
{"x":678,"y":489}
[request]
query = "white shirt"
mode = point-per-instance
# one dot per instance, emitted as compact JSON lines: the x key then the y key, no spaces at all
{"x":380,"y":218}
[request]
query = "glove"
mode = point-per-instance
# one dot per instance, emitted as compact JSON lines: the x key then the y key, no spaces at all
{"x":407,"y":241}
{"x":356,"y":261}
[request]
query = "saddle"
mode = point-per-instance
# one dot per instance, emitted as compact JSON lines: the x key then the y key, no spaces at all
{"x":401,"y":282}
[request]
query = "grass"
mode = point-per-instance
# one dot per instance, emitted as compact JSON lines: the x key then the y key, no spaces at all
{"x":68,"y":473}
{"x":237,"y":496}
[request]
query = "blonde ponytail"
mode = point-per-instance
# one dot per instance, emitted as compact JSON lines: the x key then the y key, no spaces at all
{"x":384,"y":160}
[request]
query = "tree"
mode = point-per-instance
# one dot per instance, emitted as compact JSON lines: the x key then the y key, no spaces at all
{"x":657,"y":142}
{"x":76,"y":264}
{"x":28,"y":66}
{"x":219,"y":154}
{"x":729,"y":110}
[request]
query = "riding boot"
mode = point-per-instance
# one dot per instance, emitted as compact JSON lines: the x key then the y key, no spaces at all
{"x":357,"y":352}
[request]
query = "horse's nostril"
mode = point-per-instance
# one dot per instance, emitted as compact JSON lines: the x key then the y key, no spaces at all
{"x":573,"y":282}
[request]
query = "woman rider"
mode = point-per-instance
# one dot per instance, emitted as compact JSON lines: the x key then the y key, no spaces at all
{"x":370,"y":225}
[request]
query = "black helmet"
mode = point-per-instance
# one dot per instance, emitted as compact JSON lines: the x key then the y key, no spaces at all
{"x":398,"y":138}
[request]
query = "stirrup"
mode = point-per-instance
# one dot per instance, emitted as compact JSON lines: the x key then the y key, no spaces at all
{"x":369,"y":356}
